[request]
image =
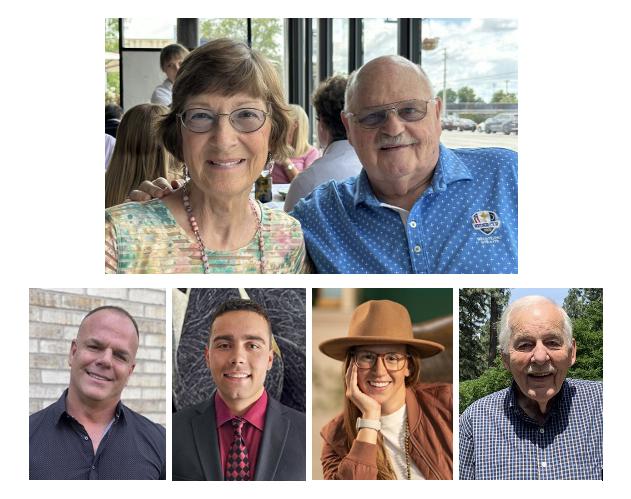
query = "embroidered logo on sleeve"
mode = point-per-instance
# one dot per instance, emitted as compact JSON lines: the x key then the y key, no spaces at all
{"x":485,"y":221}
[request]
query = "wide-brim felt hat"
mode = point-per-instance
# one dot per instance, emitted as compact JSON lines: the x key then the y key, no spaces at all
{"x":379,"y":322}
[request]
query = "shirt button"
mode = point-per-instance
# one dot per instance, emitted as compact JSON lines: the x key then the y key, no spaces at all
{"x":543,"y":464}
{"x":541,"y":430}
{"x":93,"y":467}
{"x":413,"y":224}
{"x":85,"y":437}
{"x":417,"y":249}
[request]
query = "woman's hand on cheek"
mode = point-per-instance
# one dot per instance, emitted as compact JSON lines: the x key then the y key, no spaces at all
{"x":369,"y":407}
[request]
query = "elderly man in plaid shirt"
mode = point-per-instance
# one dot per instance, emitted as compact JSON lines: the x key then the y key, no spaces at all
{"x":544,"y":427}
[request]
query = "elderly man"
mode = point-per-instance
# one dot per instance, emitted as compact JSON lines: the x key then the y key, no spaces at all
{"x":544,"y":427}
{"x":240,"y":433}
{"x":417,"y":207}
{"x":88,"y":433}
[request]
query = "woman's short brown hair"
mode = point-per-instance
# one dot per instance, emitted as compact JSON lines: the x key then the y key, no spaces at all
{"x":227,"y":67}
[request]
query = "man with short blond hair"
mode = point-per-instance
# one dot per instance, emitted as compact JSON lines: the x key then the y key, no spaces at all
{"x":88,"y":434}
{"x":545,"y":426}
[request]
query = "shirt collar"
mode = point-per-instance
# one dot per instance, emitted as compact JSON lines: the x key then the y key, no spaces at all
{"x":59,"y":409}
{"x":555,"y":402}
{"x":255,"y":415}
{"x":449,"y":169}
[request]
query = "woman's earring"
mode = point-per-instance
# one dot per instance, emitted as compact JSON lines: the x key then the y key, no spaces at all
{"x":187,"y":177}
{"x":269,"y":165}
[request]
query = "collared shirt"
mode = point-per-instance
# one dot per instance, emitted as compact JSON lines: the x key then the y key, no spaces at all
{"x":338,"y":162}
{"x":498,"y":441}
{"x":464,"y":222}
{"x":252,"y":429}
{"x":133,"y":448}
{"x":163,"y":94}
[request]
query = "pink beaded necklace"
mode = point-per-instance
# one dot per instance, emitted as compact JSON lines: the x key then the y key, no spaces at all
{"x":195,"y":228}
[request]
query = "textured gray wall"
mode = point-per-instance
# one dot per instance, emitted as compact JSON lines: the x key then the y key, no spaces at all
{"x":285,"y":381}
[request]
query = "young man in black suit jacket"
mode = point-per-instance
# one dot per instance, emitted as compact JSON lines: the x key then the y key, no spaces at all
{"x":239,"y":433}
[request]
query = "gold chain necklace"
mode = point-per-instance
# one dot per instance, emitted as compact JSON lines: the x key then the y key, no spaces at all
{"x":407,"y":448}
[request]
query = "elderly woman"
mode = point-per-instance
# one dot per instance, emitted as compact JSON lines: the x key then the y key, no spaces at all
{"x":392,"y":427}
{"x":227,"y":122}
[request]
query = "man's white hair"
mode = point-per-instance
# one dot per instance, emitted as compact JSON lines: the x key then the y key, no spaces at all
{"x":525,"y":302}
{"x":354,"y":77}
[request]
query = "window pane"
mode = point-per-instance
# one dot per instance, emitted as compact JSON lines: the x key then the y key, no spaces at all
{"x":380,"y":37}
{"x":210,"y":29}
{"x":340,"y":46}
{"x":112,"y":59}
{"x":475,"y":62}
{"x":268,"y":37}
{"x":149,"y":32}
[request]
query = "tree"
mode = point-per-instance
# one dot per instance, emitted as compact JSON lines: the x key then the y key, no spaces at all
{"x":585,"y":308}
{"x":472,"y":316}
{"x":264,"y":33}
{"x":450,"y":95}
{"x":111,"y":34}
{"x":498,"y":299}
{"x":467,"y":94}
{"x":502,"y":97}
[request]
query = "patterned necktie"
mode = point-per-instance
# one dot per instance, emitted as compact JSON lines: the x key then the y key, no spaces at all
{"x":238,"y":463}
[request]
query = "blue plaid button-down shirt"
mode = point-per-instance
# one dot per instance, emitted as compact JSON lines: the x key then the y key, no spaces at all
{"x":498,"y":441}
{"x":464,"y":223}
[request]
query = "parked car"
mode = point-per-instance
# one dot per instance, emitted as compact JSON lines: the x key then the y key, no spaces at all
{"x":510,"y":126}
{"x":496,"y":123}
{"x":449,"y":123}
{"x":466,"y":124}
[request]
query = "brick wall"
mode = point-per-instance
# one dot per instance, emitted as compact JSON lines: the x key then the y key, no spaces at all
{"x":55,"y":315}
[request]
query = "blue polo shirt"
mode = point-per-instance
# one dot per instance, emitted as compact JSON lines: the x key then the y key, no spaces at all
{"x":464,"y":223}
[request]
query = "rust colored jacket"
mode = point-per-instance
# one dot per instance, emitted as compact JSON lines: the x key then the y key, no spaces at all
{"x":429,"y":409}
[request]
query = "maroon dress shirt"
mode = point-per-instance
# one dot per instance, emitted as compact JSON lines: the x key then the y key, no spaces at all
{"x":252,"y":429}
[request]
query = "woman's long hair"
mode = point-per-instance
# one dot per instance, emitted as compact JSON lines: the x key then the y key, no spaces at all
{"x":137,"y":154}
{"x":300,"y":141}
{"x":351,"y":413}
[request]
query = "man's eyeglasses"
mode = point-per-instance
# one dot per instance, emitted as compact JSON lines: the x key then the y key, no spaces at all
{"x":392,"y":360}
{"x":409,"y":110}
{"x":200,"y":120}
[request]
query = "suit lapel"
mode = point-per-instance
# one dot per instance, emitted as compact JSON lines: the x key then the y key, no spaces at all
{"x":273,"y":442}
{"x":205,"y":437}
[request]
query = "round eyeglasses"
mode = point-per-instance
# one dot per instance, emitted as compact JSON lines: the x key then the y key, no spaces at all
{"x":410,"y":110}
{"x":200,"y":120}
{"x":393,"y":361}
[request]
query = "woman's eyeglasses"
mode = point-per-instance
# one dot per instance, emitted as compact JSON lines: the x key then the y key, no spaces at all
{"x":393,"y":361}
{"x":243,"y":120}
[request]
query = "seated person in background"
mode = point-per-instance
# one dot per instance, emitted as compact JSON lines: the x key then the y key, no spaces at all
{"x":110,"y":142}
{"x":338,"y":160}
{"x":113,"y":115}
{"x":137,"y":154}
{"x":171,"y":58}
{"x":301,"y":152}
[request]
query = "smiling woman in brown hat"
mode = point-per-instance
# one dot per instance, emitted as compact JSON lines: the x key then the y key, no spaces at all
{"x":393,"y":426}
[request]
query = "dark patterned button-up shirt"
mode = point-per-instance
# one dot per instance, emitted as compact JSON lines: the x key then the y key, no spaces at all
{"x":498,"y":441}
{"x":133,"y":447}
